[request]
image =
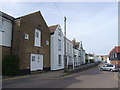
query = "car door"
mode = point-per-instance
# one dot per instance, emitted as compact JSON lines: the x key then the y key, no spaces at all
{"x":105,"y":67}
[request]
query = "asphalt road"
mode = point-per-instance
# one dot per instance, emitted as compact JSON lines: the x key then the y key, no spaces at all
{"x":92,"y":78}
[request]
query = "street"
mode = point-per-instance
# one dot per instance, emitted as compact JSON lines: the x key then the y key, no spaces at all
{"x":92,"y":78}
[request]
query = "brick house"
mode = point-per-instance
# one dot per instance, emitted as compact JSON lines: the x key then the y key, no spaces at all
{"x":114,"y":55}
{"x":31,"y":42}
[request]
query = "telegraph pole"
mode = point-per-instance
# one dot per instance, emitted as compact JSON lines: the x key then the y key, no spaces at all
{"x":65,"y":57}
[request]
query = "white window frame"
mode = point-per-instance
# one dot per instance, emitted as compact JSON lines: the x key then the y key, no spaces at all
{"x":37,"y":41}
{"x":26,"y":36}
{"x":59,"y":45}
{"x":59,"y":60}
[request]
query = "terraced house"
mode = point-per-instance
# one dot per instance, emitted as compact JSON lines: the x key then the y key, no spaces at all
{"x":29,"y":38}
{"x":31,"y":42}
{"x":114,"y":55}
{"x":37,"y":46}
{"x":57,"y":47}
{"x":6,"y":25}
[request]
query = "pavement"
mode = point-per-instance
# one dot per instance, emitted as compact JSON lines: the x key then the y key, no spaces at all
{"x":52,"y":74}
{"x":44,"y":75}
{"x":49,"y":74}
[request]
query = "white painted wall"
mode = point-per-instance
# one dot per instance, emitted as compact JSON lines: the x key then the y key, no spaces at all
{"x":54,"y":50}
{"x":5,"y":32}
{"x":96,"y":58}
{"x":108,"y":61}
{"x":69,"y":52}
{"x":77,"y":58}
{"x":82,"y":56}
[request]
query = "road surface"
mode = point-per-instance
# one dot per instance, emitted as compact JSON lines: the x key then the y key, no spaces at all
{"x":92,"y":78}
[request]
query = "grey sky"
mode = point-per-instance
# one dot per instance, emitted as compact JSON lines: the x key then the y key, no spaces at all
{"x":94,"y":23}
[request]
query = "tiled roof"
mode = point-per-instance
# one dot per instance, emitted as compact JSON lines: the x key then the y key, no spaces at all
{"x":53,"y":28}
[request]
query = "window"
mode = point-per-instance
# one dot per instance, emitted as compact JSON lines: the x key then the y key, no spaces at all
{"x":33,"y":58}
{"x":59,"y":32}
{"x":67,"y":47}
{"x":59,"y":44}
{"x":26,"y":36}
{"x":37,"y":38}
{"x":1,"y":25}
{"x":115,"y":55}
{"x":47,"y":42}
{"x":37,"y":34}
{"x":70,"y":48}
{"x":59,"y":60}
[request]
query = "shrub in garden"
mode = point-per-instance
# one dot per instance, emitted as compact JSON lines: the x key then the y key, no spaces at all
{"x":10,"y":65}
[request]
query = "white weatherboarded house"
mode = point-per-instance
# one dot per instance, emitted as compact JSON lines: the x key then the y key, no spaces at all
{"x":57,"y":47}
{"x":6,"y":25}
{"x":82,"y":53}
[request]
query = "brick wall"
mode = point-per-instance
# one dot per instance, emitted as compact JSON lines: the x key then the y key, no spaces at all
{"x":23,"y":47}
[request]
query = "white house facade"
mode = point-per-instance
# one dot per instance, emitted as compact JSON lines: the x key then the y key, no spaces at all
{"x":6,"y":25}
{"x":82,"y":53}
{"x":77,"y":61}
{"x":57,"y":48}
{"x":69,"y":52}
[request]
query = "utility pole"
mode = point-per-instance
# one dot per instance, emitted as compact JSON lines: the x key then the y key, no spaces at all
{"x":65,"y":57}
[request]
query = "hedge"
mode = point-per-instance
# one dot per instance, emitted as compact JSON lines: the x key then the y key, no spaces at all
{"x":10,"y":65}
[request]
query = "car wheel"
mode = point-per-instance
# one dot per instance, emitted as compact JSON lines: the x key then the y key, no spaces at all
{"x":111,"y":70}
{"x":101,"y":69}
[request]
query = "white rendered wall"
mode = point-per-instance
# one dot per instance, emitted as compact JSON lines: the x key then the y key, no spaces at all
{"x":55,"y":52}
{"x":6,"y":33}
{"x":70,"y":59}
{"x":77,"y":58}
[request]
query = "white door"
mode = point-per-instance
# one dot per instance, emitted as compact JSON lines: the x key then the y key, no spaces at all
{"x":36,"y":62}
{"x":40,"y":62}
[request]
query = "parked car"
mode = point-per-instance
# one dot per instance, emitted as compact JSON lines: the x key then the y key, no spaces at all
{"x":109,"y":67}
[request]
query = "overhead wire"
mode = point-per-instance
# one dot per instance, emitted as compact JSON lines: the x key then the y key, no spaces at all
{"x":60,"y":13}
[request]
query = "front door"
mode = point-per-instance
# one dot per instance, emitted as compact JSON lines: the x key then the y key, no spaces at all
{"x":36,"y":62}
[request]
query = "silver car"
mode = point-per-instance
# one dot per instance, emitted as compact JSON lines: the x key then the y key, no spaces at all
{"x":110,"y":67}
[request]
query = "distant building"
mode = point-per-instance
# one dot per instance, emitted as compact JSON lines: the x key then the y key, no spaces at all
{"x":114,"y":55}
{"x":79,"y":53}
{"x":82,"y":53}
{"x":101,"y":58}
{"x":90,"y":57}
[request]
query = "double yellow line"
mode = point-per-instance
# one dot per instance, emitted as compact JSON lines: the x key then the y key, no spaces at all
{"x":14,"y":78}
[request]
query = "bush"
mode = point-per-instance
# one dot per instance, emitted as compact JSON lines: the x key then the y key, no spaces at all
{"x":10,"y":65}
{"x":86,"y":60}
{"x":91,"y":60}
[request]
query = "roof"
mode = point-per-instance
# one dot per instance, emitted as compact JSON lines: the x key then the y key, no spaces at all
{"x":116,"y":49}
{"x":6,"y":16}
{"x":53,"y":28}
{"x":29,"y":14}
{"x":69,"y":40}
